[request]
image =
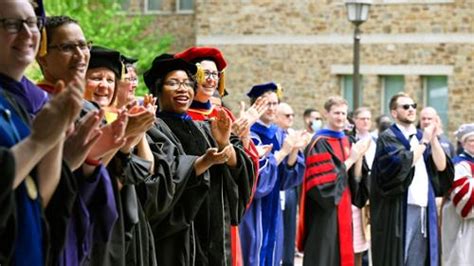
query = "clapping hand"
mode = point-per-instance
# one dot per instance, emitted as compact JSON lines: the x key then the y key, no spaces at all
{"x":258,"y":108}
{"x":220,"y":129}
{"x":83,"y":137}
{"x":113,"y":137}
{"x":360,"y":148}
{"x":61,"y":111}
{"x":429,"y":132}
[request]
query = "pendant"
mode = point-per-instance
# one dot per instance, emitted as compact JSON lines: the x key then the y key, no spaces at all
{"x":31,"y":188}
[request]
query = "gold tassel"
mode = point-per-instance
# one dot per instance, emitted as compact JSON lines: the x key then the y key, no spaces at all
{"x":279,"y":91}
{"x":221,"y":85}
{"x":123,"y":72}
{"x":200,"y":77}
{"x":43,"y":49}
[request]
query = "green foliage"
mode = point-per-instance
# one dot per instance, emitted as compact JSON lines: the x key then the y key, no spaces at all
{"x":106,"y":24}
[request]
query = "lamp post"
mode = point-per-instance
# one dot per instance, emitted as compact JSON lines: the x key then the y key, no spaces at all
{"x":357,"y":13}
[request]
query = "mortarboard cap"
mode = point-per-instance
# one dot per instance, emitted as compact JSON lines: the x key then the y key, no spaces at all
{"x":108,"y":58}
{"x":257,"y":90}
{"x":164,"y":64}
{"x":128,"y":60}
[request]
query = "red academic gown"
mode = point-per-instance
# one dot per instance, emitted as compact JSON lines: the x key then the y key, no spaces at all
{"x":325,"y":224}
{"x":201,"y":114}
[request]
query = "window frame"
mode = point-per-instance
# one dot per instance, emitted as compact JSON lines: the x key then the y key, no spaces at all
{"x":184,"y":11}
{"x":424,"y":79}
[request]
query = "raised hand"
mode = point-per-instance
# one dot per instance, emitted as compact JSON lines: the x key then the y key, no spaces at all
{"x":241,"y":127}
{"x":360,"y":148}
{"x":220,"y":129}
{"x":112,"y":138}
{"x":258,"y":108}
{"x":212,"y":157}
{"x":60,"y":111}
{"x":139,"y":123}
{"x":429,"y":132}
{"x":79,"y":143}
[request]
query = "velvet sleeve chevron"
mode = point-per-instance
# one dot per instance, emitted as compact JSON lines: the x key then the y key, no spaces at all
{"x":392,"y":171}
{"x":462,"y":191}
{"x":325,"y":176}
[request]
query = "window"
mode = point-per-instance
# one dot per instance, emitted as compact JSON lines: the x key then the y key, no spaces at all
{"x":347,"y":91}
{"x":436,"y":96}
{"x":391,"y":86}
{"x":185,"y":5}
{"x":153,"y":5}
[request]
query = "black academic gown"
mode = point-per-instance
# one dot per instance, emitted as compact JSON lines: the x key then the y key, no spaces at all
{"x":131,"y":240}
{"x":325,"y":228}
{"x":392,"y":174}
{"x":191,"y":215}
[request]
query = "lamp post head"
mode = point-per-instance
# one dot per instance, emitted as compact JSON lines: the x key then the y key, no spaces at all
{"x":358,"y":10}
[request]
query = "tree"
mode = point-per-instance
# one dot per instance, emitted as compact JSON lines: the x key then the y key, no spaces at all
{"x":106,"y":24}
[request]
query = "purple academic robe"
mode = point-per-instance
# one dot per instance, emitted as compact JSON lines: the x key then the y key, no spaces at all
{"x":261,"y":229}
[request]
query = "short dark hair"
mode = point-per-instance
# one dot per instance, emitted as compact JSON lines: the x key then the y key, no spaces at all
{"x":394,"y":99}
{"x":54,"y":22}
{"x":307,"y":112}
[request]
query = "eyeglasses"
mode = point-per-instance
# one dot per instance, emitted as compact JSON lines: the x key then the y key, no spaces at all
{"x":70,"y":48}
{"x":407,"y":106}
{"x":174,"y":84}
{"x":211,"y":75}
{"x":289,"y":115}
{"x":131,"y":80}
{"x":14,"y":25}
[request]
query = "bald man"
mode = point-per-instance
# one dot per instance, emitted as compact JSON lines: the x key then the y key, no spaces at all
{"x":285,"y":116}
{"x":428,"y":116}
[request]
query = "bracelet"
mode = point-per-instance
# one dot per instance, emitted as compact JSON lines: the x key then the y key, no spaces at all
{"x":93,"y":162}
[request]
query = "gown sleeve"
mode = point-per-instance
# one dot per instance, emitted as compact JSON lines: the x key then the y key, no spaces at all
{"x":238,"y":182}
{"x":392,"y":171}
{"x":268,"y":172}
{"x":325,"y":176}
{"x":441,"y":180}
{"x":59,"y":210}
{"x":7,"y":205}
{"x":359,"y":185}
{"x":173,"y":194}
{"x":462,"y":194}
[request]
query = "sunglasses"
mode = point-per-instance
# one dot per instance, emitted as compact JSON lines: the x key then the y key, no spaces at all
{"x":407,"y":106}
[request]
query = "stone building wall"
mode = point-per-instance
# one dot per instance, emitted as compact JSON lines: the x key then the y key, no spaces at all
{"x":307,"y":45}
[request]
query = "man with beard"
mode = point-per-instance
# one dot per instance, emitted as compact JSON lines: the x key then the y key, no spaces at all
{"x":409,"y":170}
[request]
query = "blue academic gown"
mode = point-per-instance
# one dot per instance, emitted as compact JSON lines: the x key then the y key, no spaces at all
{"x":261,"y":230}
{"x":392,"y":174}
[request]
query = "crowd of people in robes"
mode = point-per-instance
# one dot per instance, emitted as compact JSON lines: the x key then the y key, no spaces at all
{"x":93,"y":175}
